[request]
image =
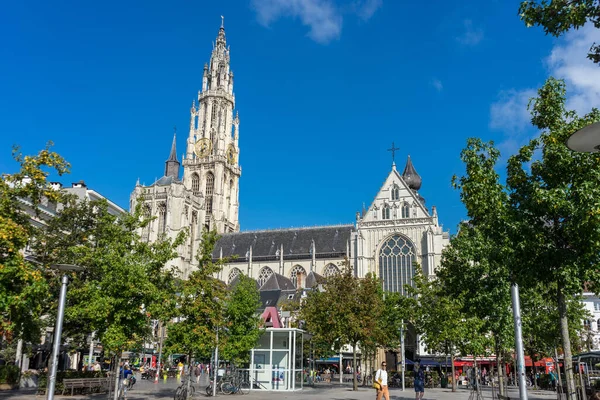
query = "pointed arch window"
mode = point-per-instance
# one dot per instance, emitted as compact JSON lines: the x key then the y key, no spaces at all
{"x":146,"y":212}
{"x":210,"y":184}
{"x":331,"y":270}
{"x":263,"y":275}
{"x":162,"y":218}
{"x":405,"y":210}
{"x":213,"y":114}
{"x":193,"y":230}
{"x":385,"y":212}
{"x":233,"y":274}
{"x":195,"y":183}
{"x":298,"y":276}
{"x":395,"y":192}
{"x":396,"y":264}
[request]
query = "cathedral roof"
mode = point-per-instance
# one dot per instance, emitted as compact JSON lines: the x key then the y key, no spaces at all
{"x":165,"y":181}
{"x":296,"y":242}
{"x":313,"y":279}
{"x":173,"y":154}
{"x":410,"y":176}
{"x":278,"y":282}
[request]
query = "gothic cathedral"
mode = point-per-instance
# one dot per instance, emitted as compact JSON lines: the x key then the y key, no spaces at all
{"x":207,"y":194}
{"x":393,"y":237}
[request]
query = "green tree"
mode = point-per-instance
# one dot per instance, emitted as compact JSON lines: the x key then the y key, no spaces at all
{"x":122,"y":276}
{"x":559,"y":16}
{"x":242,"y":320}
{"x":437,"y":316}
{"x":200,"y":322}
{"x":23,"y":285}
{"x":477,"y":267}
{"x":556,"y":198}
{"x":348,"y":311}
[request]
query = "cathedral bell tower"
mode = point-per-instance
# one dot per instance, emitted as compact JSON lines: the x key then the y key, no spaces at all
{"x":211,"y":165}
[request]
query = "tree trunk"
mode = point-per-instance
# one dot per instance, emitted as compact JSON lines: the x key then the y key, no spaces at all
{"x":477,"y":383}
{"x":189,"y":377}
{"x":566,"y":342}
{"x":354,"y":378}
{"x":499,"y":365}
{"x":453,"y":371}
{"x":117,"y":376}
{"x":501,"y":373}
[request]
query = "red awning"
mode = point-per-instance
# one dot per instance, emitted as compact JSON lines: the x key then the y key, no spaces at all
{"x":463,"y":363}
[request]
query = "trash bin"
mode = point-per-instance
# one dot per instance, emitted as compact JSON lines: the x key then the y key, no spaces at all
{"x":444,"y":382}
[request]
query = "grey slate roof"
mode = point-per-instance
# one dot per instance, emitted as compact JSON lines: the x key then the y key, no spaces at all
{"x":297,"y":243}
{"x":165,"y":181}
{"x":314,"y":279}
{"x":173,"y":153}
{"x":278,"y":282}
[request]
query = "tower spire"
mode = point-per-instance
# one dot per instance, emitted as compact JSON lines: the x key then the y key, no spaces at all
{"x":172,"y":165}
{"x":173,"y":154}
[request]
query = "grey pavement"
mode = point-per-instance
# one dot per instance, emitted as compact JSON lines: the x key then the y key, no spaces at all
{"x":165,"y":390}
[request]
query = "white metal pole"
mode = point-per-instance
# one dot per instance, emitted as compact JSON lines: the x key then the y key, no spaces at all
{"x":19,"y":355}
{"x":520,"y":370}
{"x":216,"y":365}
{"x":57,"y":334}
{"x":91,"y":352}
{"x":160,"y":346}
{"x":402,"y":352}
{"x":340,"y":367}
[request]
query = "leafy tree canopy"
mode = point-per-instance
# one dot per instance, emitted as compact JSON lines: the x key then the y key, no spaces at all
{"x":23,"y":285}
{"x":559,"y":16}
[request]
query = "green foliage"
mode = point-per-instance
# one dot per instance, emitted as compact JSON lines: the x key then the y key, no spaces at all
{"x":23,"y":288}
{"x":438,"y":316}
{"x":348,"y":311}
{"x":559,"y":16}
{"x":201,"y":306}
{"x":556,"y":200}
{"x":242,"y":320}
{"x":476,"y":268}
{"x":123,"y":277}
{"x":9,"y":374}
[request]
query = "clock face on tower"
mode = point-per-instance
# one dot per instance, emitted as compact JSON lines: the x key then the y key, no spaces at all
{"x":231,"y":154}
{"x":203,"y":147}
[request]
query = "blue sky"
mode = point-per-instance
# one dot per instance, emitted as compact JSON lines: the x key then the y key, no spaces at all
{"x":323,"y":88}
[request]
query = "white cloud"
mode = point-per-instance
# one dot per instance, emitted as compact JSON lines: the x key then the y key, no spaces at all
{"x":510,"y":115}
{"x":323,"y":17}
{"x":567,"y":60}
{"x":366,"y":9}
{"x":510,"y":112}
{"x":471,"y":35}
{"x":437,"y":84}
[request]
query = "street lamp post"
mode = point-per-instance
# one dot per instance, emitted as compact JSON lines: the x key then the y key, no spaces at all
{"x":59,"y":325}
{"x":514,"y":293}
{"x":403,"y":365}
{"x":216,"y":365}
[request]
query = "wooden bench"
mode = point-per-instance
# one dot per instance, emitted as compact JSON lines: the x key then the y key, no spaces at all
{"x":91,"y":384}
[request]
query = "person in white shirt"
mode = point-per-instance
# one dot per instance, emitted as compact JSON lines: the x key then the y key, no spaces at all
{"x":382,"y":377}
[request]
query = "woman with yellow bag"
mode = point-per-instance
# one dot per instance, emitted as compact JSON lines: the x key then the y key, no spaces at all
{"x":381,"y":382}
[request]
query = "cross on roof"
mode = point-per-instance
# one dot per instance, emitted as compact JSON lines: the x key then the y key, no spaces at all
{"x":393,"y":150}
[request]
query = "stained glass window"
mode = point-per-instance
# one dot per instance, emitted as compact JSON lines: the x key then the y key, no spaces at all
{"x":396,"y":268}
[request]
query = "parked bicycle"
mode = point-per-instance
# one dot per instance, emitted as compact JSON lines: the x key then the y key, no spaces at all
{"x":181,"y":393}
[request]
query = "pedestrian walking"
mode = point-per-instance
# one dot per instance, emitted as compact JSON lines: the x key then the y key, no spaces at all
{"x":381,"y":376}
{"x":419,"y":378}
{"x":198,"y":372}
